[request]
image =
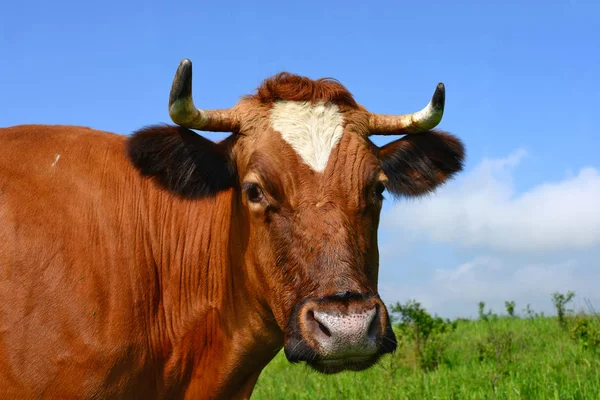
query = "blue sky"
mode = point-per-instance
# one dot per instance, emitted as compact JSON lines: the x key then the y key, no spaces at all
{"x":522,"y":92}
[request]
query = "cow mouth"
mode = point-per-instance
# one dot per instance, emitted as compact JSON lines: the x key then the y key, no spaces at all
{"x":335,"y":365}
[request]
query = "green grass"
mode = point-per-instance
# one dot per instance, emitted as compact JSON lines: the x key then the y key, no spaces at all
{"x":515,"y":359}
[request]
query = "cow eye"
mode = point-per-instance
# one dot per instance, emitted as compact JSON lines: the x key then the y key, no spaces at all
{"x":379,"y":189}
{"x":254,"y":193}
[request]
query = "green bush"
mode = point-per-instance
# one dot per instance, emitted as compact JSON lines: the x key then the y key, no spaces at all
{"x":510,"y":308}
{"x":560,"y":302}
{"x":497,"y":348}
{"x":426,"y":333}
{"x":485,"y":316}
{"x":584,"y":330}
{"x":529,"y":312}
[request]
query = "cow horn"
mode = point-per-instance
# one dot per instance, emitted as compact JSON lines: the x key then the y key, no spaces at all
{"x":421,"y":121}
{"x":184,"y":113}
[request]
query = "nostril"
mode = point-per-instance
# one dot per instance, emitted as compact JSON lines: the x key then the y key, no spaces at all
{"x":374,"y":325}
{"x":311,"y":317}
{"x":324,"y":329}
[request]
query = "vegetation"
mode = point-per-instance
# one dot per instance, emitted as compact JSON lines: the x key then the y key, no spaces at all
{"x":510,"y":308}
{"x":560,"y":302}
{"x":494,"y":357}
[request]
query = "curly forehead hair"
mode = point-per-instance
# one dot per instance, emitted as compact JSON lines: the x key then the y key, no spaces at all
{"x":286,"y":86}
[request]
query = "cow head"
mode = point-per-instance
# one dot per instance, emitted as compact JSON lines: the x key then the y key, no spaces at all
{"x":310,"y":185}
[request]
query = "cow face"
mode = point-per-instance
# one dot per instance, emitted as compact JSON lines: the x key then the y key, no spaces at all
{"x":311,"y":185}
{"x":313,"y":208}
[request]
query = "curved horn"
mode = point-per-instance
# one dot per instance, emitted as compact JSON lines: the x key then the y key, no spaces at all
{"x":184,"y":113}
{"x":421,"y":121}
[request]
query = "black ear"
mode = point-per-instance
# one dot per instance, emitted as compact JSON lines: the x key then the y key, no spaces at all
{"x":181,"y":160}
{"x":418,"y":163}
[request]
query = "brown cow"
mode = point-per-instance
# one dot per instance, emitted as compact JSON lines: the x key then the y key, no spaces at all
{"x":164,"y":265}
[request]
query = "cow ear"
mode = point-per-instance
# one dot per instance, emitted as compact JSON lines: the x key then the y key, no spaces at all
{"x":182,"y":161}
{"x":418,"y":163}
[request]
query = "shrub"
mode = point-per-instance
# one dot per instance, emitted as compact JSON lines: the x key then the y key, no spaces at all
{"x":485,"y":316}
{"x":424,"y":331}
{"x":529,"y":312}
{"x":584,"y":331}
{"x":510,"y":308}
{"x":560,"y":302}
{"x":482,"y":315}
{"x":497,"y":348}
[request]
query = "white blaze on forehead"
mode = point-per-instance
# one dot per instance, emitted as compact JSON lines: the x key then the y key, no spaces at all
{"x":312,"y":130}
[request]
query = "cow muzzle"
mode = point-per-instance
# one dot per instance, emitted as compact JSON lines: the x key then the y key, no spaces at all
{"x":348,"y":331}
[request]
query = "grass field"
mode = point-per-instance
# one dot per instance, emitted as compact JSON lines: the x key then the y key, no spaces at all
{"x":490,"y":358}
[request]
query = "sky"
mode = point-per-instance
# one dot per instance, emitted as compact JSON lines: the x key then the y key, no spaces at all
{"x":521,"y":221}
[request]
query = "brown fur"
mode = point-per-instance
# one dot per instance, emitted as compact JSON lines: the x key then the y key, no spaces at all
{"x":138,"y":267}
{"x":290,"y":87}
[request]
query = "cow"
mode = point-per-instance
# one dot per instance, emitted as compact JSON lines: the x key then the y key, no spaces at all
{"x":162,"y":264}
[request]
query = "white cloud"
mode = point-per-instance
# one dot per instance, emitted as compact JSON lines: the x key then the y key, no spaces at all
{"x":457,"y":292}
{"x":482,"y":209}
{"x":479,"y":239}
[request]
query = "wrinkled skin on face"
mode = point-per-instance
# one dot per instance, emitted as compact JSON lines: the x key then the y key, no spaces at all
{"x":313,"y":242}
{"x":308,"y":187}
{"x":308,"y":224}
{"x":316,"y":234}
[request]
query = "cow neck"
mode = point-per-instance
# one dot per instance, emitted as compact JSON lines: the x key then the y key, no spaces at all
{"x":211,"y":314}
